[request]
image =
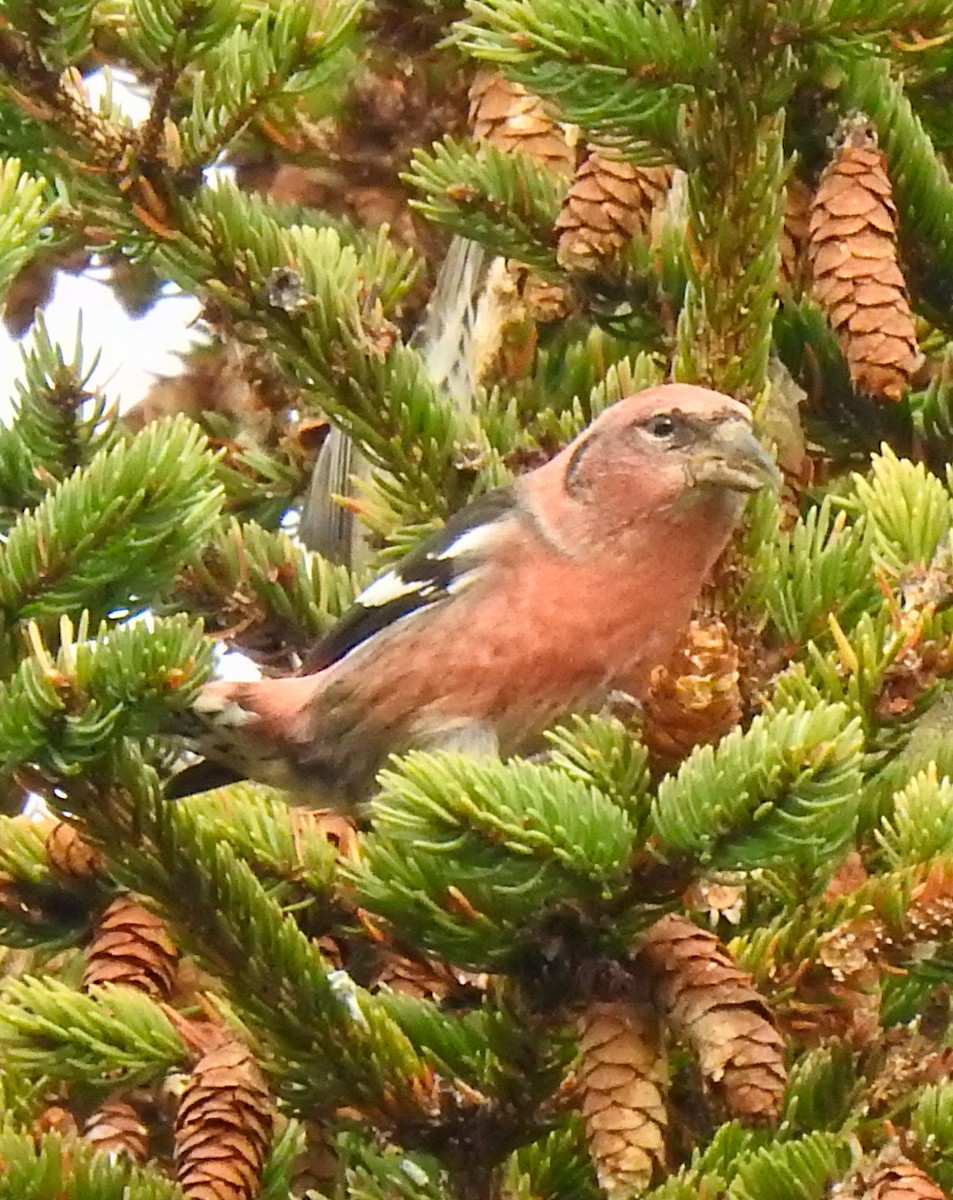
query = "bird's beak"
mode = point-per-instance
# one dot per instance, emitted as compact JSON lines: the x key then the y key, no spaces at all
{"x":734,"y":458}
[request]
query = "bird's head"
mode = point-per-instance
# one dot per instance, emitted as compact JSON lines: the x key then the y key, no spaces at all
{"x":666,"y":447}
{"x":658,"y":454}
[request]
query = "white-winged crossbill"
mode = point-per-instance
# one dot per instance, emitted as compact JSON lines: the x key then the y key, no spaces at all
{"x":532,"y":603}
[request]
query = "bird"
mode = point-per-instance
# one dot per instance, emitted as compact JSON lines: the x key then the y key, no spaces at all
{"x":533,"y":602}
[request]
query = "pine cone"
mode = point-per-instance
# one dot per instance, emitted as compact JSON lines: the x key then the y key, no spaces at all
{"x":895,"y":1177}
{"x":795,"y":231}
{"x":116,"y":1128}
{"x":622,"y":1075}
{"x":223,"y":1127}
{"x":131,"y":947}
{"x":713,"y":1006}
{"x":856,"y":274}
{"x":608,"y":203}
{"x":696,"y":699}
{"x":70,"y":856}
{"x":507,"y":116}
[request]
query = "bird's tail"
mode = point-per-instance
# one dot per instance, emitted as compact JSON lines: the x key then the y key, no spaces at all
{"x":244,"y":730}
{"x":444,"y":340}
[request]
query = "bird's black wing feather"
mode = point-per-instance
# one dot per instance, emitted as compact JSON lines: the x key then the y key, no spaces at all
{"x":424,"y":577}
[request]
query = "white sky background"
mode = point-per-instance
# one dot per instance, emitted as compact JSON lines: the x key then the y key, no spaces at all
{"x":133,"y":351}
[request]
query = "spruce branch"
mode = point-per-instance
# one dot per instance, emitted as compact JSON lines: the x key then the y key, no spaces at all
{"x":107,"y":1036}
{"x":620,"y":71}
{"x":326,"y":1040}
{"x":467,"y":858}
{"x":113,"y":534}
{"x":57,"y":426}
{"x":65,"y":711}
{"x":821,"y":566}
{"x":262,"y":830}
{"x":25,"y":211}
{"x":337,"y":344}
{"x":53,"y":1167}
{"x":260,"y":590}
{"x":724,"y":276}
{"x":508,"y":202}
{"x":783,"y":792}
{"x":288,"y":50}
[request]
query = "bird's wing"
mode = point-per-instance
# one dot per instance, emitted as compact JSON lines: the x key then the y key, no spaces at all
{"x":440,"y":567}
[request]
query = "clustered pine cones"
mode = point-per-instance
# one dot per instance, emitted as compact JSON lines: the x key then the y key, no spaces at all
{"x":689,"y":984}
{"x":856,"y":274}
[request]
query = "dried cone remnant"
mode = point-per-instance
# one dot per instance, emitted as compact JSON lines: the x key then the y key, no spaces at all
{"x":608,"y":203}
{"x":70,"y":856}
{"x":622,"y":1077}
{"x":711,"y":1004}
{"x":507,"y":116}
{"x":223,"y":1127}
{"x":795,"y":231}
{"x":116,"y":1128}
{"x":131,"y":947}
{"x":695,"y":699}
{"x":856,"y":274}
{"x":895,"y":1177}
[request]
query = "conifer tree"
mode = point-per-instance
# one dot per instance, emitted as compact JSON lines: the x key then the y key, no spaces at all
{"x":702,"y":949}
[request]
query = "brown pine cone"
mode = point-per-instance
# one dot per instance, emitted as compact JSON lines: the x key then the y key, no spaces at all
{"x":423,"y":980}
{"x":70,"y":856}
{"x":130,"y":946}
{"x":712,"y":1005}
{"x":894,"y":1177}
{"x":507,"y":116}
{"x":695,"y":699}
{"x":856,"y":273}
{"x":622,"y":1076}
{"x":223,"y":1127}
{"x":116,"y":1128}
{"x":609,"y":201}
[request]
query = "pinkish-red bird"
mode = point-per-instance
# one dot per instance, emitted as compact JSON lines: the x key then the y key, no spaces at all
{"x":531,"y":603}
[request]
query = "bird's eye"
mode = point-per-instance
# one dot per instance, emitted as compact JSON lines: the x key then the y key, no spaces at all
{"x":660,"y":426}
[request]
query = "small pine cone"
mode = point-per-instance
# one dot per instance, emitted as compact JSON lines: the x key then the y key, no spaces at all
{"x":423,"y":980}
{"x":856,"y":274}
{"x":116,"y":1128}
{"x":929,"y":918}
{"x":795,"y":231}
{"x":852,"y":983}
{"x":895,"y":1177}
{"x":507,"y":116}
{"x":713,"y":1006}
{"x":70,"y":856}
{"x":622,"y":1075}
{"x":55,"y":1119}
{"x":609,"y":201}
{"x":223,"y":1127}
{"x":130,"y":946}
{"x":695,"y":699}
